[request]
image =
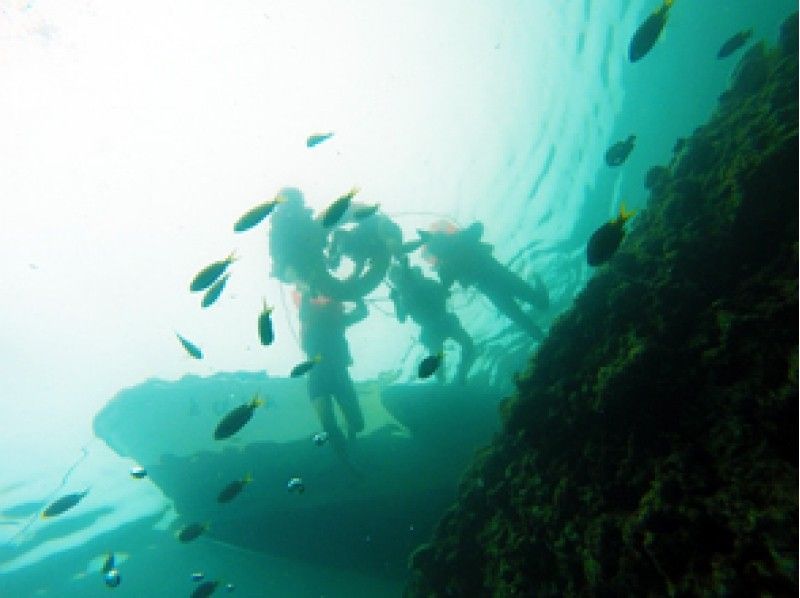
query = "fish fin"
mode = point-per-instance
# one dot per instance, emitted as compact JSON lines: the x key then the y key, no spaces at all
{"x":248,"y":477}
{"x":257,"y":401}
{"x":624,"y":215}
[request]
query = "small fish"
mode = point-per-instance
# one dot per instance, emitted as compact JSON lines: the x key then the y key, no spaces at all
{"x":648,"y":32}
{"x":336,"y":210}
{"x":296,"y":485}
{"x":236,"y":419}
{"x":138,"y":472}
{"x":229,"y":587}
{"x":233,"y":489}
{"x":362,"y":212}
{"x":734,"y":43}
{"x":109,"y":563}
{"x":205,"y":589}
{"x":192,"y":349}
{"x":214,"y":291}
{"x":320,"y":438}
{"x":191,"y":532}
{"x":112,"y":578}
{"x":102,"y":564}
{"x":266,"y":334}
{"x":305,"y":367}
{"x":429,"y":365}
{"x":208,"y":275}
{"x":63,"y":504}
{"x":257,"y":214}
{"x":605,"y":240}
{"x":618,"y":153}
{"x":317,"y":138}
{"x":198,"y":576}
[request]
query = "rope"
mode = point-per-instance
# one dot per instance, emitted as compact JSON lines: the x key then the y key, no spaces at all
{"x":32,"y":519}
{"x":288,"y":318}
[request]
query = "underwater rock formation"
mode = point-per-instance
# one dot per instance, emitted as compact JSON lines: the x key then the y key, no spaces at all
{"x":651,"y":447}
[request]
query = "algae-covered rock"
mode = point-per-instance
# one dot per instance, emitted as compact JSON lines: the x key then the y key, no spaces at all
{"x":651,"y":446}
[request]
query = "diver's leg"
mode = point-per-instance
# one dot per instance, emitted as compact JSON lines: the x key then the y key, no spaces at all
{"x":323,"y":405}
{"x":537,"y":296}
{"x":345,"y":395}
{"x":458,"y":334}
{"x":319,"y":384}
{"x":507,"y":305}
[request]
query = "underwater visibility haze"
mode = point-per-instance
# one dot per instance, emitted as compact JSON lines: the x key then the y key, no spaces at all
{"x":398,"y":298}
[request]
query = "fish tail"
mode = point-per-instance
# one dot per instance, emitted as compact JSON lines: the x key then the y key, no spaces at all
{"x":625,"y":215}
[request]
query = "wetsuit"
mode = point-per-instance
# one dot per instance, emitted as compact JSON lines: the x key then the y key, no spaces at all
{"x":323,"y":325}
{"x":425,"y":301}
{"x":462,"y":257}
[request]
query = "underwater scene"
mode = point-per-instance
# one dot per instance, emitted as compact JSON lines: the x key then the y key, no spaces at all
{"x":364,"y":298}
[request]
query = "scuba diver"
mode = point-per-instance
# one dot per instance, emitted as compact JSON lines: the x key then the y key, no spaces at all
{"x":424,"y":301}
{"x":323,"y":322}
{"x":370,"y":245}
{"x":460,"y":256}
{"x":298,"y":241}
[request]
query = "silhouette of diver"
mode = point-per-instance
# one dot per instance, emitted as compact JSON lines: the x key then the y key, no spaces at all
{"x":375,"y":240}
{"x":297,"y":243}
{"x":462,"y":257}
{"x":323,"y":322}
{"x":424,"y":300}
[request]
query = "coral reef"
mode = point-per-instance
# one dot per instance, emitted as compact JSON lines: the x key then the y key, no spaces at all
{"x":651,"y":446}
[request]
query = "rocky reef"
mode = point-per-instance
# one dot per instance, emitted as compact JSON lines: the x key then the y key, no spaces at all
{"x":651,"y":446}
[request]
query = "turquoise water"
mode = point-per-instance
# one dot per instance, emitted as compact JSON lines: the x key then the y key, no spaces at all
{"x":136,"y":136}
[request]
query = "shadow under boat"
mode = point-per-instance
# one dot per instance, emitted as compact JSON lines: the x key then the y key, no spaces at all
{"x":418,"y":439}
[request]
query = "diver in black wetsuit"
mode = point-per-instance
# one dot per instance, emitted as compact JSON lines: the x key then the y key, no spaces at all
{"x":425,"y":301}
{"x":323,"y":322}
{"x":462,"y":257}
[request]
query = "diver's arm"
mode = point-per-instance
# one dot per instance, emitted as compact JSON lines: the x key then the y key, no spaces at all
{"x":357,"y":314}
{"x":399,"y":308}
{"x":446,"y":277}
